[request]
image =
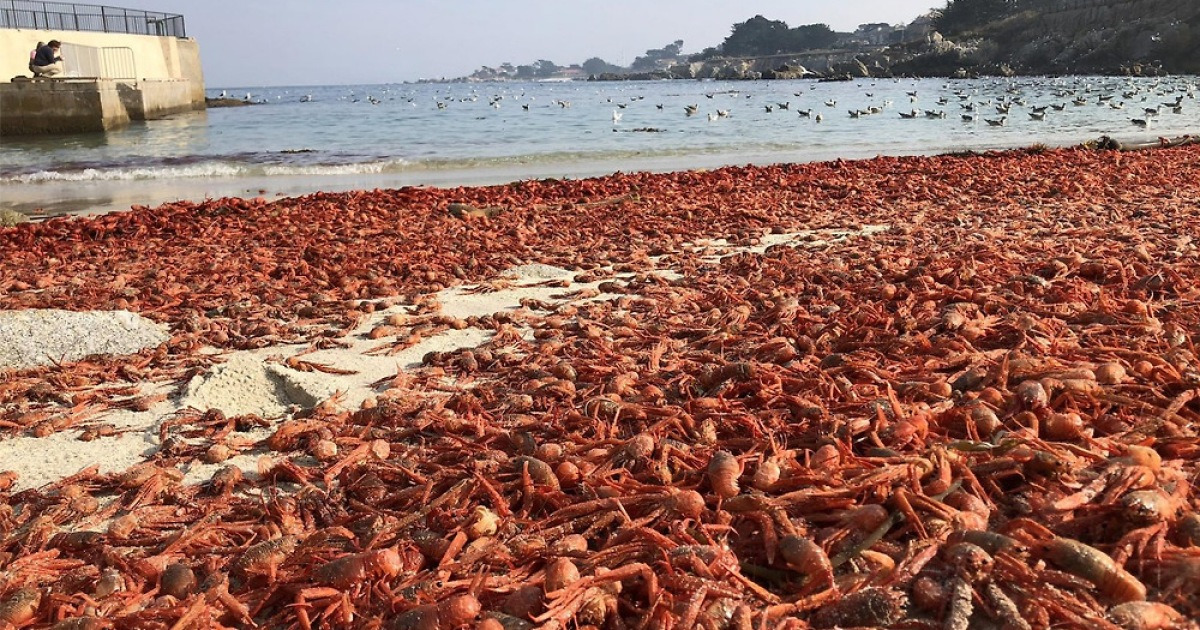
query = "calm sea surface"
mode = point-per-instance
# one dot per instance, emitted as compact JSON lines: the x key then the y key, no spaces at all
{"x":338,"y":137}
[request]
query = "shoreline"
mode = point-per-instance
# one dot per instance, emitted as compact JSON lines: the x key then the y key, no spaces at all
{"x":97,"y":197}
{"x":598,"y":371}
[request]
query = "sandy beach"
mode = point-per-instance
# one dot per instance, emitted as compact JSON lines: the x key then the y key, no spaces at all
{"x":843,"y":392}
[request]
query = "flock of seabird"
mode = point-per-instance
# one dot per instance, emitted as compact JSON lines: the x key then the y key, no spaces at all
{"x":1154,"y":98}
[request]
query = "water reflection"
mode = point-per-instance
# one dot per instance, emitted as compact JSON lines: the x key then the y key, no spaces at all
{"x":142,"y":141}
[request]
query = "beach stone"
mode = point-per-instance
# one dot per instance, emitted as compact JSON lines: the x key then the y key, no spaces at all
{"x":467,"y":211}
{"x":37,"y":337}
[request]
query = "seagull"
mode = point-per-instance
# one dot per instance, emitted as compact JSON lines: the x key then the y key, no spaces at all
{"x":854,"y":113}
{"x":525,"y":106}
{"x":997,"y":123}
{"x":805,"y":113}
{"x":691,"y":109}
{"x":1037,"y":115}
{"x":660,"y":106}
{"x":818,"y":118}
{"x":1139,"y":122}
{"x":223,"y":94}
{"x":712,"y":117}
{"x":912,"y":114}
{"x":831,"y":103}
{"x":616,"y":116}
{"x":723,"y":113}
{"x":768,"y":108}
{"x":784,"y":105}
{"x":968,"y":118}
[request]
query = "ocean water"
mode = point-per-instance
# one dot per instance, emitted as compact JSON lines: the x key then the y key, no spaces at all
{"x":302,"y":139}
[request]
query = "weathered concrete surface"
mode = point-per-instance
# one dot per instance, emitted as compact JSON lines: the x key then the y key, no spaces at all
{"x":47,"y":106}
{"x":148,"y":100}
{"x":60,"y":106}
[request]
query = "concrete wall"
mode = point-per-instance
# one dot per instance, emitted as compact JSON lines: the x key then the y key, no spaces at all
{"x":169,"y":80}
{"x":156,"y":57}
{"x":45,"y":107}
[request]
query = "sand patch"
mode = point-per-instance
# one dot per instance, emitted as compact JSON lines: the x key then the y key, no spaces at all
{"x":36,"y":337}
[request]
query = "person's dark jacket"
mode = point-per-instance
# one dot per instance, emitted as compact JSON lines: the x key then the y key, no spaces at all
{"x":46,"y":56}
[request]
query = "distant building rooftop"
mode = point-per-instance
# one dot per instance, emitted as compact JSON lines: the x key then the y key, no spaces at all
{"x":66,"y":16}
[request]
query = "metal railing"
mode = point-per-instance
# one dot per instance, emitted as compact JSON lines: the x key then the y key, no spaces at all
{"x":64,"y":16}
{"x":110,"y":62}
{"x":117,"y":63}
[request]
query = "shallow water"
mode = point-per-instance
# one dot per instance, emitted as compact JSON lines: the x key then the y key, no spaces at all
{"x":343,"y":137}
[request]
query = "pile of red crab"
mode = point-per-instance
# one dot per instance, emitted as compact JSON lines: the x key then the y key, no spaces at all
{"x":984,"y":416}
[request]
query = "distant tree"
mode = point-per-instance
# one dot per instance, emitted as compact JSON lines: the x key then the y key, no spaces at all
{"x":545,"y":68}
{"x":756,"y":36}
{"x":649,"y":61}
{"x":507,"y":68}
{"x":485,"y":73}
{"x":759,"y":36}
{"x":810,"y":37}
{"x":596,"y":65}
{"x":526,"y":72}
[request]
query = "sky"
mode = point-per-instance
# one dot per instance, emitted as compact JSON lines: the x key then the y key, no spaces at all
{"x":247,"y":43}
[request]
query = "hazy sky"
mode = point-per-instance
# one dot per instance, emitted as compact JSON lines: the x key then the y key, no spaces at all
{"x":310,"y":42}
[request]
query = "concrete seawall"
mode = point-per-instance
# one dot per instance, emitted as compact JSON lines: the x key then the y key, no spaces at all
{"x":159,"y":76}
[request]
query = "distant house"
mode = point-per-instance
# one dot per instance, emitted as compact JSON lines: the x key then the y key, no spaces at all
{"x":876,"y":34}
{"x":573,"y":71}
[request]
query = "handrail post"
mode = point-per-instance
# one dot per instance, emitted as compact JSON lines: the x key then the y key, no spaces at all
{"x":104,"y":18}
